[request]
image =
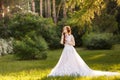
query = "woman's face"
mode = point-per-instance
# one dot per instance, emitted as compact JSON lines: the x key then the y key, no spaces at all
{"x":64,"y":30}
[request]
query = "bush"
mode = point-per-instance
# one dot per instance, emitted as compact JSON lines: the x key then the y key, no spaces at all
{"x":116,"y":39}
{"x":23,"y":23}
{"x":52,"y":37}
{"x":77,"y":35}
{"x":97,"y":40}
{"x":4,"y":27}
{"x":105,"y":23}
{"x":33,"y":47}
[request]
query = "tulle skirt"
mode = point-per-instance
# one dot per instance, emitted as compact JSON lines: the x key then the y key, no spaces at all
{"x":71,"y":64}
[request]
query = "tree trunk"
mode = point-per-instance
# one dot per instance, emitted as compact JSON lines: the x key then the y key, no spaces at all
{"x":49,"y":8}
{"x":58,"y":9}
{"x":46,"y":10}
{"x":41,"y":8}
{"x":2,"y":14}
{"x":54,"y":11}
{"x":29,"y":6}
{"x":64,"y":10}
{"x":33,"y":5}
{"x":0,"y":9}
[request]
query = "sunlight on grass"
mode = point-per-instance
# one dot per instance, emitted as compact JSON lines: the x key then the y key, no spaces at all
{"x":105,"y":60}
{"x":25,"y":75}
{"x":97,"y":56}
{"x":42,"y":75}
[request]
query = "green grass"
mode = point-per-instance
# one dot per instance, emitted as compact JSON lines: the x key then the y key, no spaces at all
{"x":106,"y":60}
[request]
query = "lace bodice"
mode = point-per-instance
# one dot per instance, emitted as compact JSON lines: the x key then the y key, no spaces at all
{"x":69,"y":39}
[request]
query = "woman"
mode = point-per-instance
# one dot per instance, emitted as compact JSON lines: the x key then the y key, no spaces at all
{"x":70,"y":63}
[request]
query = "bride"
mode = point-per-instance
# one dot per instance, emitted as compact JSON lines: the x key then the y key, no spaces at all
{"x":70,"y":63}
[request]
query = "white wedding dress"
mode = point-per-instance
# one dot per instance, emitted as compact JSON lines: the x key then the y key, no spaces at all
{"x":71,"y":64}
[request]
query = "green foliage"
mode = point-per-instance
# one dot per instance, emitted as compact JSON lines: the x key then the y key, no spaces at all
{"x":33,"y":47}
{"x":77,"y":35}
{"x":97,"y":40}
{"x":51,"y":33}
{"x":99,"y":15}
{"x":23,"y":23}
{"x":84,"y":15}
{"x":116,"y":39}
{"x":52,"y":36}
{"x":4,"y":27}
{"x":26,"y":29}
{"x":105,"y":23}
{"x":85,"y":12}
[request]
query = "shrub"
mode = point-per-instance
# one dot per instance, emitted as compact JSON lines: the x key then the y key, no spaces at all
{"x":52,"y":37}
{"x":97,"y":40}
{"x":77,"y":35}
{"x":116,"y":39}
{"x":4,"y":27}
{"x":105,"y":23}
{"x":31,"y":47}
{"x":23,"y":23}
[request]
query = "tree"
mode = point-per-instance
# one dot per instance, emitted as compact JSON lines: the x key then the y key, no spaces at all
{"x":41,"y":8}
{"x":46,"y":8}
{"x":85,"y":10}
{"x":7,"y":6}
{"x":64,"y":10}
{"x":33,"y":5}
{"x":49,"y":8}
{"x":58,"y":9}
{"x":1,"y":8}
{"x":118,"y":2}
{"x":54,"y":11}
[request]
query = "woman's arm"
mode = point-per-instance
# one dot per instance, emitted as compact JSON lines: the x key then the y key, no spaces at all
{"x":61,"y":41}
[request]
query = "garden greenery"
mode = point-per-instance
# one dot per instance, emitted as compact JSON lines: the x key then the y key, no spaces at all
{"x":97,"y":40}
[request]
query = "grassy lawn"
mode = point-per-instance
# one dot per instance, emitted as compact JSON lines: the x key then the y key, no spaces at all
{"x":12,"y":69}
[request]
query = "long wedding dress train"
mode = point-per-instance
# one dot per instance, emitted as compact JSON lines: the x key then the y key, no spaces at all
{"x":71,"y":64}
